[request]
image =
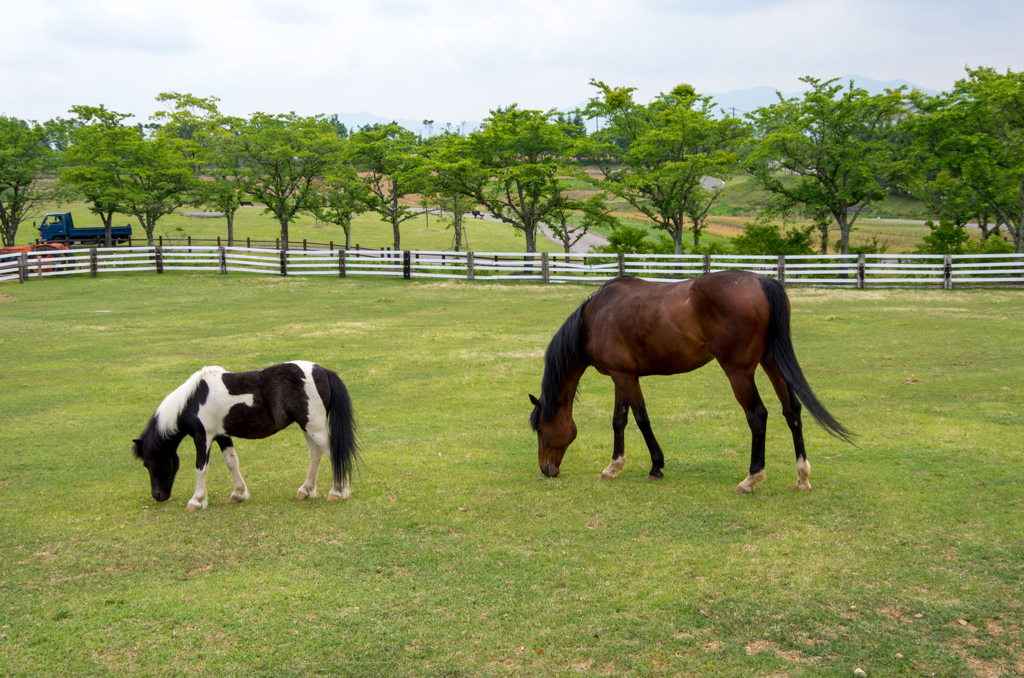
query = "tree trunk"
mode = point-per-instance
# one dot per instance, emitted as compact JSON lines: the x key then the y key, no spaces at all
{"x":347,"y":226}
{"x":457,"y":224}
{"x":284,"y":234}
{"x":530,"y":231}
{"x":107,"y":219}
{"x":394,"y":215}
{"x":230,"y":214}
{"x":823,"y":227}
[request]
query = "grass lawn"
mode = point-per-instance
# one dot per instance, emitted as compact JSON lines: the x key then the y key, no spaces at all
{"x":455,"y":557}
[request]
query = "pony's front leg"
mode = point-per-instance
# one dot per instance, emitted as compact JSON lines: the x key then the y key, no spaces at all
{"x":199,"y":499}
{"x":227,"y":448}
{"x":308,"y":488}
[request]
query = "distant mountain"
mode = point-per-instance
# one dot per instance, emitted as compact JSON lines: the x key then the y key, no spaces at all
{"x":746,"y":100}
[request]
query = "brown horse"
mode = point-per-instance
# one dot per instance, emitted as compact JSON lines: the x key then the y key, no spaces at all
{"x":631,"y":328}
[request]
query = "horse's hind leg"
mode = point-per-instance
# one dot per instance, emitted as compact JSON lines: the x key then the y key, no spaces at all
{"x":227,"y":448}
{"x":745,"y":390}
{"x":791,"y":410}
{"x":308,"y":488}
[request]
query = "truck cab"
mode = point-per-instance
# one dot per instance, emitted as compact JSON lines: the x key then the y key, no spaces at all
{"x":56,"y":226}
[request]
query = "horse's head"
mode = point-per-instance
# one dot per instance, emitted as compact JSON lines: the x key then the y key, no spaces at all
{"x":160,"y":457}
{"x":553,"y":437}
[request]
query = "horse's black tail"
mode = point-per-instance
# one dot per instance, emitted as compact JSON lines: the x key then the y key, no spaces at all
{"x":342,"y":427}
{"x":780,"y":351}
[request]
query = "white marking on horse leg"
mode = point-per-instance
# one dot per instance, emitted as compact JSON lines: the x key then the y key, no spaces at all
{"x":803,"y":474}
{"x":241,"y":491}
{"x":343,"y":491}
{"x":199,"y":499}
{"x":751,"y":481}
{"x":308,"y":488}
{"x":614,"y":468}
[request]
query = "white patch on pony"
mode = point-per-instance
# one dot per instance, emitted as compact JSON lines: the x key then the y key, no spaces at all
{"x":316,"y":413}
{"x":218,"y":403}
{"x":174,"y":404}
{"x":614,"y":468}
{"x":803,"y":474}
{"x":751,"y":481}
{"x":199,"y":500}
{"x":241,"y":492}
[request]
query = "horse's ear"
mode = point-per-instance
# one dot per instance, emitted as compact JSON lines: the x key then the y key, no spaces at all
{"x":137,"y":448}
{"x":533,"y":399}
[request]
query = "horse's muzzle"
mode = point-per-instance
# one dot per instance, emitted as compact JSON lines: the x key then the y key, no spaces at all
{"x":550,"y":470}
{"x":161,"y":496}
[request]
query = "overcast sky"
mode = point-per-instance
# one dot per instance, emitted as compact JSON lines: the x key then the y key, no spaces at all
{"x":454,"y":60}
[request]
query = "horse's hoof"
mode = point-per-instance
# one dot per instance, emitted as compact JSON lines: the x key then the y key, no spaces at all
{"x":334,"y":497}
{"x":301,"y":494}
{"x":742,"y":488}
{"x":235,"y":498}
{"x":748,"y":484}
{"x":607,"y":476}
{"x":803,"y":485}
{"x":194,"y":507}
{"x":655,"y":475}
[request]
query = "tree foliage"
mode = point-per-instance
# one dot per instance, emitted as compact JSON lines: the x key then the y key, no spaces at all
{"x":25,"y":159}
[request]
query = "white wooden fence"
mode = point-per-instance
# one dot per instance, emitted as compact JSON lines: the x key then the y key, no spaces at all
{"x":870,"y":270}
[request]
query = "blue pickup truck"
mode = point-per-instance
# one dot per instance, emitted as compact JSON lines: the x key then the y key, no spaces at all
{"x":59,"y":227}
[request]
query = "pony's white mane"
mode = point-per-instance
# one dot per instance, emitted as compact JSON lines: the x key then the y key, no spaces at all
{"x":174,"y":404}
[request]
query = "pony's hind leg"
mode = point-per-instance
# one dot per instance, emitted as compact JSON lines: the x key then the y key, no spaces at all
{"x":791,"y":410}
{"x":227,"y":448}
{"x":745,"y":390}
{"x":308,"y":488}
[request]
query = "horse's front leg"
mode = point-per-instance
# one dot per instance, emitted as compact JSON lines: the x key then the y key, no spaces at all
{"x":619,"y":419}
{"x":203,"y":443}
{"x":227,"y":448}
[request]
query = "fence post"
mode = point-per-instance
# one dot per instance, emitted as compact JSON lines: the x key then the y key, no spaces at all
{"x":94,"y":264}
{"x":406,"y":265}
{"x":159,"y":252}
{"x":303,"y":244}
{"x":22,"y":268}
{"x":782,"y":269}
{"x":707,"y":264}
{"x":284,"y":262}
{"x":622,"y":264}
{"x":161,"y":241}
{"x":39,"y":268}
{"x":947,"y":273}
{"x":470,"y":273}
{"x":545,"y":268}
{"x":248,"y":245}
{"x":218,"y":241}
{"x":223,"y":259}
{"x":341,"y":263}
{"x":861,"y":267}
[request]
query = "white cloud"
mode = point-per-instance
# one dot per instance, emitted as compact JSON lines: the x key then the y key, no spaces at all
{"x":453,"y":61}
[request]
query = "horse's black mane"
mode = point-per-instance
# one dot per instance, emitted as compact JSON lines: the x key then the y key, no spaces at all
{"x":564,"y":353}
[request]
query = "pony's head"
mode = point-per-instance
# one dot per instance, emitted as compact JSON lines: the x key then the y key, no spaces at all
{"x":553,"y":437}
{"x":159,"y":454}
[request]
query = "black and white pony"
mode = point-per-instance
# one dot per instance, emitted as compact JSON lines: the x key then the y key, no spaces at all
{"x":214,"y":405}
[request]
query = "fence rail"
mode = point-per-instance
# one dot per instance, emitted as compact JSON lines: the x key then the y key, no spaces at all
{"x":872,"y":270}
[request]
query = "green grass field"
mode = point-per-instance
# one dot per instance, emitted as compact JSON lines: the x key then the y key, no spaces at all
{"x":455,"y":557}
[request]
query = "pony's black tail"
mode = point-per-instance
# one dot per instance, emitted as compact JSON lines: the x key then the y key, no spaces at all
{"x":780,"y":352}
{"x":342,"y":427}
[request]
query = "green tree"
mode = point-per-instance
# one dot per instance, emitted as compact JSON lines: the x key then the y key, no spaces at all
{"x":340,"y":196}
{"x":95,"y":154}
{"x":387,"y":158}
{"x":839,"y":142}
{"x":25,"y":160}
{"x":975,"y":132}
{"x":452,"y":177}
{"x":522,"y":153}
{"x":224,"y":186}
{"x":283,"y":158}
{"x":191,"y":124}
{"x":657,"y":156}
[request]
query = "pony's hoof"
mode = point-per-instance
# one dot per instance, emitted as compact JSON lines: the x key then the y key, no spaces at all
{"x":334,"y":495}
{"x":195,"y":507}
{"x":235,"y":498}
{"x":302,"y":494}
{"x":803,"y":485}
{"x":656,"y":475}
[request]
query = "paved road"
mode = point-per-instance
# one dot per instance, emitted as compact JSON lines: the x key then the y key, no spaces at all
{"x":582,"y":246}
